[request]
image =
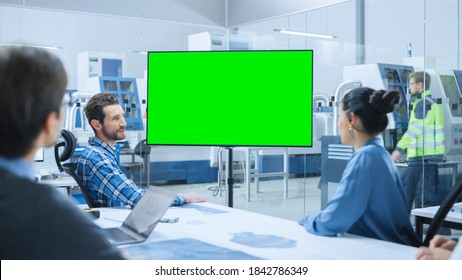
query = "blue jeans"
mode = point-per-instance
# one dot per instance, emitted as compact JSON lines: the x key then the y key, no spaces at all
{"x":417,"y":173}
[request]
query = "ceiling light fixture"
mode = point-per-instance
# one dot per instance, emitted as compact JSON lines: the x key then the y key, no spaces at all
{"x":140,"y":52}
{"x":284,"y":31}
{"x":32,"y":45}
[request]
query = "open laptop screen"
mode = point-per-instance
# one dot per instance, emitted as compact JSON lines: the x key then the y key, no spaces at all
{"x":149,"y":210}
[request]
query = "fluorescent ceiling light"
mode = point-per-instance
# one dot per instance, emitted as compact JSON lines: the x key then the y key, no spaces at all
{"x":140,"y":52}
{"x":32,"y":45}
{"x":284,"y":31}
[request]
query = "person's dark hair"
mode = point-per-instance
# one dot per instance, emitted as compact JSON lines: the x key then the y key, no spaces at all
{"x":96,"y":104}
{"x":371,"y":106}
{"x":421,"y":77}
{"x":32,"y":85}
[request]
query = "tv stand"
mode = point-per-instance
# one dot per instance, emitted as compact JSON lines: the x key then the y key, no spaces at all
{"x":256,"y":172}
{"x":230,"y":179}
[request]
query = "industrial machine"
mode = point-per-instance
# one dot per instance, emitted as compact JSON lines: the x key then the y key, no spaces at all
{"x":217,"y":41}
{"x":104,"y":72}
{"x":95,"y":64}
{"x":127,"y":91}
{"x":447,"y":86}
{"x":75,"y":120}
{"x":388,"y":77}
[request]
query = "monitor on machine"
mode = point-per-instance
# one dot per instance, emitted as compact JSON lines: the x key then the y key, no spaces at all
{"x":452,"y":92}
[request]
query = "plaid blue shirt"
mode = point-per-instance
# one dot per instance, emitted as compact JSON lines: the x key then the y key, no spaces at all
{"x":99,"y":171}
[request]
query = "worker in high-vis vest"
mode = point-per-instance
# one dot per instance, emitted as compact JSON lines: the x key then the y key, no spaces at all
{"x":423,"y":143}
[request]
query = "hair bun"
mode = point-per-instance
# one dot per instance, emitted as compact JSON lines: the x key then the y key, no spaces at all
{"x":384,"y":102}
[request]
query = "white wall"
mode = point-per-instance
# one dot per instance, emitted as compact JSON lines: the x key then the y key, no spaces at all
{"x":78,"y":32}
{"x":329,"y":55}
{"x":203,"y":12}
{"x":392,"y":24}
{"x":249,"y":11}
{"x":389,"y":26}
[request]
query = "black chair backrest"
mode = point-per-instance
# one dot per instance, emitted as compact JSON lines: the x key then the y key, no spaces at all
{"x":142,"y":148}
{"x":70,"y":168}
{"x":440,"y":215}
{"x":69,"y":144}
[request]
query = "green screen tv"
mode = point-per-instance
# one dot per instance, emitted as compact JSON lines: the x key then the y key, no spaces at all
{"x":230,"y":98}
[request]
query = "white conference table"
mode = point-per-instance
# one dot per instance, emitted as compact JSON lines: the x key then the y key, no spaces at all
{"x":451,"y":165}
{"x":66,"y":182}
{"x":210,"y":231}
{"x":425,"y":216}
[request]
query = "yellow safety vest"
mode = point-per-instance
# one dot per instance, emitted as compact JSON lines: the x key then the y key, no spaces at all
{"x":424,"y":137}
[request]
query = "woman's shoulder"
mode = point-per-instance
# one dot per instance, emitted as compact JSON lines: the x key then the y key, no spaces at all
{"x":371,"y":148}
{"x":371,"y":152}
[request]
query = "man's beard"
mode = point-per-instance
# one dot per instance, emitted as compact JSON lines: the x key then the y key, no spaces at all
{"x":113,"y":136}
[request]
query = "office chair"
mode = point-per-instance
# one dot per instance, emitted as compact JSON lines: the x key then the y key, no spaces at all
{"x":142,"y":150}
{"x":446,"y":205}
{"x":69,"y":143}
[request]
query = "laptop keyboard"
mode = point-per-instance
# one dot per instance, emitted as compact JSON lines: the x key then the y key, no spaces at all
{"x":118,"y":235}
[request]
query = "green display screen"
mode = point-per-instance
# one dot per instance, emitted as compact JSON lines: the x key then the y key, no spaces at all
{"x":230,"y":98}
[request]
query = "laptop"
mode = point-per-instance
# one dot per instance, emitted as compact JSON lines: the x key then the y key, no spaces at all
{"x":143,"y":218}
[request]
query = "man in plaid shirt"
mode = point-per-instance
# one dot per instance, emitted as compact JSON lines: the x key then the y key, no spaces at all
{"x":98,"y":168}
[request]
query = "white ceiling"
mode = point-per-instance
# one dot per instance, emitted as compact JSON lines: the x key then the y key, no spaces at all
{"x":247,"y":11}
{"x":224,"y":13}
{"x":202,"y":12}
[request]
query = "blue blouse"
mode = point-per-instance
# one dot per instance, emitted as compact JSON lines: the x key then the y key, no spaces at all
{"x":369,"y":200}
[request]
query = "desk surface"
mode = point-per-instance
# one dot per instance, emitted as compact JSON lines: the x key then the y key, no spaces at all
{"x":126,"y":151}
{"x":209,"y":228}
{"x":442,"y":164}
{"x":60,"y":182}
{"x":429,"y":212}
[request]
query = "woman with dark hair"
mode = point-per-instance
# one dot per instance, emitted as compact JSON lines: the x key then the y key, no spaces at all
{"x":369,"y":200}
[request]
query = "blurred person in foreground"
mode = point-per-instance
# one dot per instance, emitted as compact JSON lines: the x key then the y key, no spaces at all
{"x":38,"y":222}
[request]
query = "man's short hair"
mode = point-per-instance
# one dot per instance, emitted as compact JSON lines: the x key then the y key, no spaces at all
{"x":32,"y":85}
{"x":419,"y":78}
{"x":96,"y":104}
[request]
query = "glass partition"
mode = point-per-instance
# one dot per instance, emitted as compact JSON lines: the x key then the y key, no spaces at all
{"x":378,"y":44}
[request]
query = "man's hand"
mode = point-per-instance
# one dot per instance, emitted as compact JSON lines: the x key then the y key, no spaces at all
{"x":395,"y":155}
{"x":440,"y":249}
{"x":192,"y":197}
{"x":439,"y":241}
{"x":433,"y":254}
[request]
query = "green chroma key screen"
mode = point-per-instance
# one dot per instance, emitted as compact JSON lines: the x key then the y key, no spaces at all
{"x":230,"y":98}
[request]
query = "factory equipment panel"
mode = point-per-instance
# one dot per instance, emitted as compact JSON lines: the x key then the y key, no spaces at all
{"x":127,"y":91}
{"x":448,"y":86}
{"x":388,"y":77}
{"x":94,"y":64}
